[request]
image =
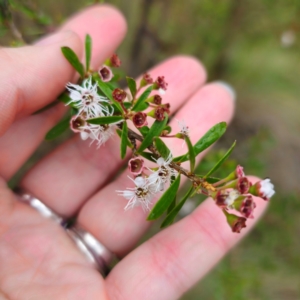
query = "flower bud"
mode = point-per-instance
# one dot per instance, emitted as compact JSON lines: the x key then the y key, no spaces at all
{"x":243,"y":185}
{"x":156,"y":99}
{"x":139,"y":119}
{"x":136,"y":166}
{"x":235,"y":222}
{"x":119,"y":95}
{"x":146,"y":80}
{"x":159,"y":113}
{"x":76,"y":122}
{"x":105,"y":73}
{"x":225,"y":198}
{"x":115,"y":61}
{"x":239,"y":171}
{"x":263,"y":189}
{"x":160,"y":84}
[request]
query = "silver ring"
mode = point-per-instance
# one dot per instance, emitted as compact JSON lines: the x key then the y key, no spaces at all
{"x":99,"y":256}
{"x":95,"y":252}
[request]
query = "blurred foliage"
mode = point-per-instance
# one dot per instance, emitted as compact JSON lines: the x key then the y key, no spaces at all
{"x":252,"y":44}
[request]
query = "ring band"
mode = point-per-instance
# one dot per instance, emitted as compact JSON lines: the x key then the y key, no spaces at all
{"x":99,"y":256}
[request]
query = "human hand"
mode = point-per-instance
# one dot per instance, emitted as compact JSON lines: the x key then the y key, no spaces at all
{"x":38,"y":260}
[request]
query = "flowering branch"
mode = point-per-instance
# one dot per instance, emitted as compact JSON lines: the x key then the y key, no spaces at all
{"x":100,"y":108}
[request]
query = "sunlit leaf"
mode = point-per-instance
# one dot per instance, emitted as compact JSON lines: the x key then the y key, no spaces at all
{"x":166,"y":199}
{"x":72,"y":58}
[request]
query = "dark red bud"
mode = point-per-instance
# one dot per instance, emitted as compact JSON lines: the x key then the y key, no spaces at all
{"x":160,"y":83}
{"x":221,"y":197}
{"x":147,"y":78}
{"x":76,"y":122}
{"x":239,"y":224}
{"x":139,"y":119}
{"x":159,"y":113}
{"x":136,"y":166}
{"x":248,"y":207}
{"x":243,"y":185}
{"x":157,"y":100}
{"x":115,"y":61}
{"x":119,"y":95}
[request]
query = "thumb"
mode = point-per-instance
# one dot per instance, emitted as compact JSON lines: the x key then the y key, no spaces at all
{"x":33,"y":76}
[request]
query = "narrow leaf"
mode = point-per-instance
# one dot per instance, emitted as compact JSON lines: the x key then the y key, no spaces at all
{"x":192,"y":154}
{"x":72,"y":58}
{"x":140,"y":103}
{"x":107,"y":91}
{"x":155,"y":130}
{"x":212,"y":179}
{"x":171,"y":206}
{"x":124,"y":139}
{"x":58,"y":129}
{"x":144,"y":130}
{"x":164,"y":202}
{"x":132,"y":86}
{"x":148,"y":155}
{"x":88,"y":51}
{"x":119,"y":132}
{"x":211,"y":136}
{"x":220,"y":162}
{"x":105,"y":120}
{"x":173,"y":213}
{"x":162,"y":148}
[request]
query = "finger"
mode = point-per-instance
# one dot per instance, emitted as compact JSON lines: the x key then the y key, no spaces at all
{"x":103,"y":215}
{"x":69,"y":175}
{"x":28,"y":81}
{"x":94,"y":21}
{"x":176,"y":258}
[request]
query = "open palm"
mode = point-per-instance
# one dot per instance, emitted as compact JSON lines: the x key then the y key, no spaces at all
{"x":37,"y":259}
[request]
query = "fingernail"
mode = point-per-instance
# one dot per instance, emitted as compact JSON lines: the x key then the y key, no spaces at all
{"x":228,"y":88}
{"x":54,"y":38}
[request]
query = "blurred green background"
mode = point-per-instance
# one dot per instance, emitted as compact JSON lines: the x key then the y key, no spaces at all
{"x":254,"y":45}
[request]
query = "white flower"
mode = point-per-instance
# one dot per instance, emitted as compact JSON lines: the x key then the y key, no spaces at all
{"x":97,"y":133}
{"x":141,"y":194}
{"x":87,"y":100}
{"x":266,"y":188}
{"x":232,"y":196}
{"x":163,"y":175}
{"x":183,"y":128}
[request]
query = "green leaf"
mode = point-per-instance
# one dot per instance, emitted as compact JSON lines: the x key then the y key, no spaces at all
{"x":148,"y":155}
{"x":107,"y":91}
{"x":132,"y":86}
{"x":219,"y":163}
{"x":144,"y":130}
{"x":124,"y":139}
{"x":168,"y":129}
{"x":212,"y":179}
{"x":72,"y":58}
{"x":171,"y":206}
{"x":119,"y":132}
{"x":212,"y":135}
{"x":173,"y":213}
{"x":58,"y":129}
{"x":155,"y":130}
{"x":192,"y":154}
{"x":140,"y":103}
{"x":164,"y":202}
{"x":88,"y":51}
{"x":105,"y":120}
{"x":162,"y":148}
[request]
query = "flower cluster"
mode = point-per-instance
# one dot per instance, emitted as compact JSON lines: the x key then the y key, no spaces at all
{"x":235,"y":193}
{"x":100,"y":108}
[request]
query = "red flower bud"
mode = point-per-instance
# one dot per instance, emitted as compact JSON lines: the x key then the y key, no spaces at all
{"x":105,"y":73}
{"x":239,"y":171}
{"x":243,"y":185}
{"x":160,"y":83}
{"x":147,"y":78}
{"x":235,"y":222}
{"x":139,"y":119}
{"x":159,"y":113}
{"x":115,"y":61}
{"x":221,"y":197}
{"x":247,"y":207}
{"x":119,"y":95}
{"x":157,"y":100}
{"x":136,"y":166}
